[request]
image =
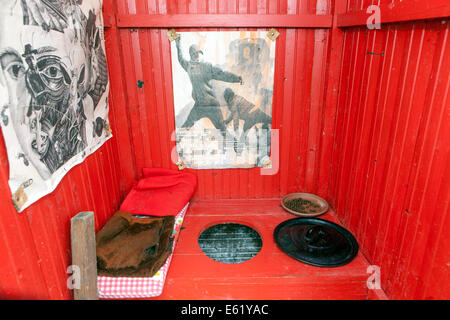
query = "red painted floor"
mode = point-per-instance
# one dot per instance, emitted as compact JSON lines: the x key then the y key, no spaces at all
{"x":270,"y":275}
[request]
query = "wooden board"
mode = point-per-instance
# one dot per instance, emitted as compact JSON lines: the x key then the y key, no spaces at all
{"x":271,"y":274}
{"x":84,"y":260}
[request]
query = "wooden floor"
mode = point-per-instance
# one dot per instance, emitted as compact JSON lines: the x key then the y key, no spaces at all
{"x":271,"y":274}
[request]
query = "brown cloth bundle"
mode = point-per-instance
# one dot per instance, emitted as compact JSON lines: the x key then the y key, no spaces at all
{"x":128,"y":246}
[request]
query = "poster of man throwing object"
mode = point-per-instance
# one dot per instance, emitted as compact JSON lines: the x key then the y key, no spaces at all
{"x":223,"y":89}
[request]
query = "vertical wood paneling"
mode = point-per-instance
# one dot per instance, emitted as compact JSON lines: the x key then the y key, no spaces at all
{"x":35,"y":244}
{"x":297,"y":105}
{"x":363,"y":119}
{"x":332,"y":93}
{"x":391,"y":153}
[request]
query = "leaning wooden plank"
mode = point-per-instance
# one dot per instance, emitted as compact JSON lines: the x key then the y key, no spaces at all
{"x":84,"y":260}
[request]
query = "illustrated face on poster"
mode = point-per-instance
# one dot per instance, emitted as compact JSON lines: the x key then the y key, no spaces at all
{"x":223,"y":88}
{"x":53,"y":90}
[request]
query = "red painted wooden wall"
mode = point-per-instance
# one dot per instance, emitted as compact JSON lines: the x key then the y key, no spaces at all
{"x":35,"y":244}
{"x":147,"y":117}
{"x":390,"y":165}
{"x":367,"y":131}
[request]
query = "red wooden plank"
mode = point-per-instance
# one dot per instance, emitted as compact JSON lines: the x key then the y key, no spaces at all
{"x":340,"y":118}
{"x":434,"y":277}
{"x":342,"y":121}
{"x":362,"y":133}
{"x":437,"y":239}
{"x":118,"y":99}
{"x":134,"y":98}
{"x":283,"y":288}
{"x":380,"y":151}
{"x":20,"y":273}
{"x":317,"y":95}
{"x":287,"y":109}
{"x":168,"y":110}
{"x":207,"y":277}
{"x":304,"y":102}
{"x":42,"y":236}
{"x":430,"y":157}
{"x":407,"y":10}
{"x":351,"y":143}
{"x":147,"y":94}
{"x":318,"y":82}
{"x":335,"y":52}
{"x":109,"y":20}
{"x":397,"y":188}
{"x":299,"y":104}
{"x":385,"y":201}
{"x":374,"y":95}
{"x":103,"y":179}
{"x":223,"y":21}
{"x":357,"y":60}
{"x":153,"y":96}
{"x":404,"y":137}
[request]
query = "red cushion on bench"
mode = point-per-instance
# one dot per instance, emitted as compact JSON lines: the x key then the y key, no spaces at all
{"x":161,"y":192}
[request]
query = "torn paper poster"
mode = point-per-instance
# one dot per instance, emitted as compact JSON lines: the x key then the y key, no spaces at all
{"x":53,"y":90}
{"x":223,"y":88}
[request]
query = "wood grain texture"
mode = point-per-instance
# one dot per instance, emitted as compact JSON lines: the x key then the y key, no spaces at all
{"x":198,"y":20}
{"x":362,"y":117}
{"x":396,"y":11}
{"x":147,"y":122}
{"x":271,"y":274}
{"x":390,"y":163}
{"x":84,"y":258}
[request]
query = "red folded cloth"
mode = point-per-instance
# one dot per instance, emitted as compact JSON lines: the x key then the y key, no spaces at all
{"x":162,"y":192}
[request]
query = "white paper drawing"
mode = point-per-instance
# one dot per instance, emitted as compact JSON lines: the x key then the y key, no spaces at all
{"x":53,"y":90}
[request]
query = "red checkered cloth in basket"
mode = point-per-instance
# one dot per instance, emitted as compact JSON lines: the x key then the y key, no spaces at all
{"x":137,"y":287}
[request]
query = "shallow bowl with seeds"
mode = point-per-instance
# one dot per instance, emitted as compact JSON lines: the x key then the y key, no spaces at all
{"x":304,"y":204}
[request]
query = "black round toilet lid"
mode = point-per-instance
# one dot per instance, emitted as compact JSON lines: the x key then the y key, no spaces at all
{"x":316,"y":241}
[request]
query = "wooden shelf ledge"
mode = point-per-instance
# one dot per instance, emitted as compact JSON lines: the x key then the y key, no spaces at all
{"x":407,"y":10}
{"x":223,"y":21}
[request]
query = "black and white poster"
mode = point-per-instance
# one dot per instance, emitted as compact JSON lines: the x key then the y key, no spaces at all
{"x":223,"y":88}
{"x":53,"y":90}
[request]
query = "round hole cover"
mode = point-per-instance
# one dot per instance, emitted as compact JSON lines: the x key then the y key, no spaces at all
{"x":315,"y":241}
{"x":230,"y":242}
